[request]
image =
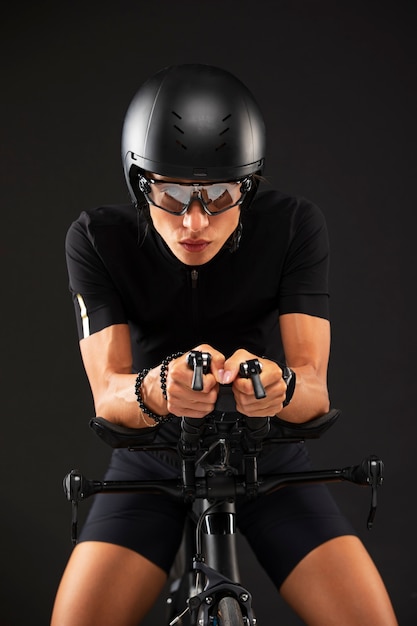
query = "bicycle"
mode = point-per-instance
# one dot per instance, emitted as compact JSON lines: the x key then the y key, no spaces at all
{"x":205,"y":588}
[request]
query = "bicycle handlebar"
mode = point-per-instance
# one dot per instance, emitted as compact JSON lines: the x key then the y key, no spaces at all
{"x":78,"y":487}
{"x":193,"y":441}
{"x":223,"y":431}
{"x":225,"y":485}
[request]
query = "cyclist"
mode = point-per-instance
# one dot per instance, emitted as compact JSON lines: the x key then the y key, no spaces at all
{"x":203,"y":259}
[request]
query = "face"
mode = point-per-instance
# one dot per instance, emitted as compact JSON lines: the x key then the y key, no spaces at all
{"x":195,"y":237}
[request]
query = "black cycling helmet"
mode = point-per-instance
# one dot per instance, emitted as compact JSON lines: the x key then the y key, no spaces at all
{"x":194,"y":122}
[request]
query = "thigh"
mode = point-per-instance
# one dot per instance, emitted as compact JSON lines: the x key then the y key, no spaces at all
{"x":125,"y":550}
{"x":108,"y":585}
{"x":337,"y":584}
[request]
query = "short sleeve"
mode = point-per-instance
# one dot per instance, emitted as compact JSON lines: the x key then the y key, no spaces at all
{"x":304,"y":283}
{"x":96,"y":300}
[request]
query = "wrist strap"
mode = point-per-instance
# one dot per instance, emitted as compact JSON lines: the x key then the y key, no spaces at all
{"x":290,"y":379}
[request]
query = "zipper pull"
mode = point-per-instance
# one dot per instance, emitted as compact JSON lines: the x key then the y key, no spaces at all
{"x":194,"y":278}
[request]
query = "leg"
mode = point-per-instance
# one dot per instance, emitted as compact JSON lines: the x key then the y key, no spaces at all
{"x":108,"y":585}
{"x":337,"y":584}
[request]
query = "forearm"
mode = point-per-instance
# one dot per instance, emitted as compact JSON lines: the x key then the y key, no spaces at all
{"x":117,"y":402}
{"x":306,"y":342}
{"x":107,"y":360}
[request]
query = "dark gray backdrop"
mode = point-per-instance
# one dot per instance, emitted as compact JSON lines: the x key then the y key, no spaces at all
{"x":336,"y":82}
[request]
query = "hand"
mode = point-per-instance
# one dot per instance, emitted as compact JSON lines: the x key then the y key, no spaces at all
{"x":271,"y":378}
{"x":181,"y":398}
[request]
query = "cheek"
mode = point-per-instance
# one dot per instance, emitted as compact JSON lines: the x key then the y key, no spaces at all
{"x":161,"y":221}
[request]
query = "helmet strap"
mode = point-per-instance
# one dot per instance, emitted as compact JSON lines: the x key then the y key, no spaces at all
{"x":233,"y":241}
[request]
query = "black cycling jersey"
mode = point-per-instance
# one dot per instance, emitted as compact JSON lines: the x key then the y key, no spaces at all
{"x":121,"y":271}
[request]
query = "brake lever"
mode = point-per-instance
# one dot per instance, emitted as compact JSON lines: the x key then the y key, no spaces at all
{"x":72,"y":485}
{"x":375,"y":473}
{"x":199,"y":362}
{"x":371,"y":474}
{"x":251,"y":369}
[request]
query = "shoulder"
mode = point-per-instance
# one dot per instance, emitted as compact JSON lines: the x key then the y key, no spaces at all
{"x":276,"y":212}
{"x":109,"y":219}
{"x":273,"y":202}
{"x":107,"y":215}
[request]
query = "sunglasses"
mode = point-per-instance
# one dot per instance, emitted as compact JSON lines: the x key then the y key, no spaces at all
{"x":175,"y":198}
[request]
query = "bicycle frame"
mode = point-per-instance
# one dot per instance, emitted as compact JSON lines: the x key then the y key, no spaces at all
{"x":211,"y":451}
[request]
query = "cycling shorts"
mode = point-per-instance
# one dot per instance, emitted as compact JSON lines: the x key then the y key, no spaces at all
{"x":281,"y":527}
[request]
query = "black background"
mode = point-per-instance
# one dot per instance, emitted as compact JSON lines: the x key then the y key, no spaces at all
{"x":337,"y":84}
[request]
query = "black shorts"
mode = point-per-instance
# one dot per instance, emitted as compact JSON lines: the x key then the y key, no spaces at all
{"x":281,"y":527}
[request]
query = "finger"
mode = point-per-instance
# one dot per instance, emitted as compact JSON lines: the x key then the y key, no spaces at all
{"x":184,"y":401}
{"x":217,"y":359}
{"x":232,"y":365}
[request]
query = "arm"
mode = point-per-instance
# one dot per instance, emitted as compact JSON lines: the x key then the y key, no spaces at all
{"x":306,"y":341}
{"x":107,"y":360}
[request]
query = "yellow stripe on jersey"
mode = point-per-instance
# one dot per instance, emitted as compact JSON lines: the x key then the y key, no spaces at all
{"x":84,"y":316}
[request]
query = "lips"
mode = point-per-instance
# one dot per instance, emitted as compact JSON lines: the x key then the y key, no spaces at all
{"x":194,"y":245}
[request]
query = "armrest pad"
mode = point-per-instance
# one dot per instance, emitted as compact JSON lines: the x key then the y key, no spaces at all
{"x":118,"y":436}
{"x":281,"y":429}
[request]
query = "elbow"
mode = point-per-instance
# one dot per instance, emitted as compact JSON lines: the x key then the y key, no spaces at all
{"x":103,"y":409}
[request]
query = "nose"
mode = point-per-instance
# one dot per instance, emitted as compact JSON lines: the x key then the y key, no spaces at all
{"x":195,"y":218}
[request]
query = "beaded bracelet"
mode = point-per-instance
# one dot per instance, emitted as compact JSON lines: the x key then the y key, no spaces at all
{"x":158,"y":419}
{"x":164,"y":370}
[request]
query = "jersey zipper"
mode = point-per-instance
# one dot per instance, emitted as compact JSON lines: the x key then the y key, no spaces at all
{"x":194,"y":299}
{"x":194,"y":278}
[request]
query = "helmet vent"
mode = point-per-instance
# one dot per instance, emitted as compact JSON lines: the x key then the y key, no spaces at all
{"x":223,"y":144}
{"x":179,"y":130}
